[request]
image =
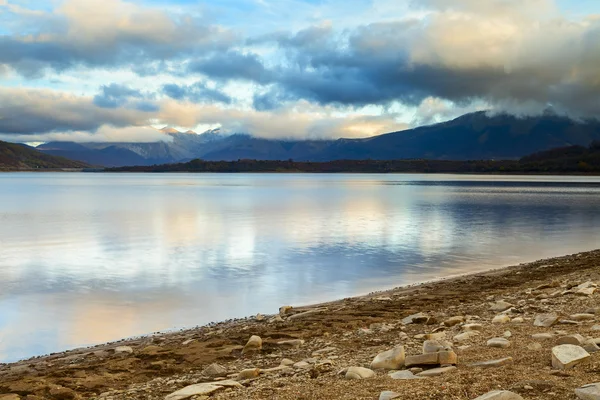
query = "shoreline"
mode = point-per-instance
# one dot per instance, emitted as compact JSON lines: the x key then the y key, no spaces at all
{"x":301,"y":307}
{"x":172,"y":353}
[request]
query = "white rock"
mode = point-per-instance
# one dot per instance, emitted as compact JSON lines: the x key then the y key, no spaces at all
{"x":498,"y":342}
{"x":214,"y":370}
{"x":436,"y":372}
{"x":501,"y":319}
{"x":500,"y":306}
{"x":124,"y":349}
{"x":500,"y":395}
{"x":465,"y":336}
{"x":249,"y":373}
{"x":472,"y":327}
{"x":254,"y":344}
{"x":435,"y":346}
{"x":403,"y":375}
{"x":575,"y":339}
{"x":542,"y":336}
{"x":391,"y":359}
{"x":507,"y":334}
{"x":567,"y":356}
{"x":588,"y":392}
{"x":582,"y":317}
{"x":493,"y":363}
{"x":387,"y":395}
{"x":545,"y":320}
{"x":294,"y":343}
{"x":419,"y":318}
{"x":450,"y":322}
{"x":359,"y":373}
{"x":198,"y":389}
{"x":517,"y":320}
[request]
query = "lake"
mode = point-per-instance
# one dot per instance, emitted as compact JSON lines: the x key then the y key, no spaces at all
{"x":89,"y":258}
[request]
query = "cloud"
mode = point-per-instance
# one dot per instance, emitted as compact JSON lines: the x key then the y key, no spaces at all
{"x":106,"y":33}
{"x":512,"y":55}
{"x":231,"y":65}
{"x":197,"y":93}
{"x":34,"y":111}
{"x":115,"y":95}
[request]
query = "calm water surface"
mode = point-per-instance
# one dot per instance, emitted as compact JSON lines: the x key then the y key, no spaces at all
{"x":88,"y":258}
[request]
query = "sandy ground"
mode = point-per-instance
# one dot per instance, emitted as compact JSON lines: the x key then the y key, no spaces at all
{"x":345,"y":333}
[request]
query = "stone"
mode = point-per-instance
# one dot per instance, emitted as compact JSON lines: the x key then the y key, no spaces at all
{"x":542,"y":336}
{"x":391,"y":359}
{"x":500,"y":306}
{"x":545,"y":320}
{"x":439,"y":358}
{"x":595,"y":328}
{"x":450,"y":322}
{"x":276,"y":319}
{"x":534,"y":346}
{"x":465,"y":336}
{"x":214,"y":371}
{"x":419,"y":318}
{"x":567,"y":356}
{"x":501,"y":319}
{"x":387,"y":395}
{"x":582,"y":317}
{"x":198,"y":389}
{"x":259,"y":317}
{"x":472,"y":327}
{"x":307,"y":313}
{"x":499,"y":395}
{"x":517,"y":320}
{"x":591,"y":347}
{"x":287,"y":362}
{"x":436,"y":336}
{"x":404,"y":375}
{"x":301,"y":365}
{"x":254,"y":344}
{"x":324,"y":350}
{"x":284,"y":310}
{"x":9,"y":397}
{"x":586,"y":291}
{"x":492,"y":363}
{"x":575,"y":339}
{"x":436,"y":372}
{"x":123,"y":350}
{"x":435,"y":346}
{"x":500,"y":343}
{"x":568,"y":322}
{"x":359,"y":373}
{"x":250,"y":373}
{"x":294,"y":344}
{"x":588,"y":392}
{"x":507,"y":334}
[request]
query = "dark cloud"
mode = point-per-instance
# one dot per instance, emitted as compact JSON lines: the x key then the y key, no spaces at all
{"x":75,"y":36}
{"x":232,"y":65}
{"x":28,"y":112}
{"x":196,"y":93}
{"x":115,"y":95}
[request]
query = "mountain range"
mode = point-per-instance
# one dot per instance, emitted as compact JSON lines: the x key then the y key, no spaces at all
{"x":475,"y":136}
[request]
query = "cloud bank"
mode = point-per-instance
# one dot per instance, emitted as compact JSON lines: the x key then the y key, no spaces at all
{"x":326,"y":77}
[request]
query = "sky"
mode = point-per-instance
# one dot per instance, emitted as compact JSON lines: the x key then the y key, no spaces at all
{"x":116,"y":70}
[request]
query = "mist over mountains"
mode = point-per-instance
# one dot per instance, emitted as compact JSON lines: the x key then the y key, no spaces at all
{"x":476,"y":136}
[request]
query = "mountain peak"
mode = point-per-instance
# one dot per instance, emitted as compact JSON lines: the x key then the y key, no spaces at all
{"x":168,"y":129}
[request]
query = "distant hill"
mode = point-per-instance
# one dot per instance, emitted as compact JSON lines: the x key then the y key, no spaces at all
{"x":564,"y":160}
{"x":476,"y":136}
{"x":15,"y":156}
